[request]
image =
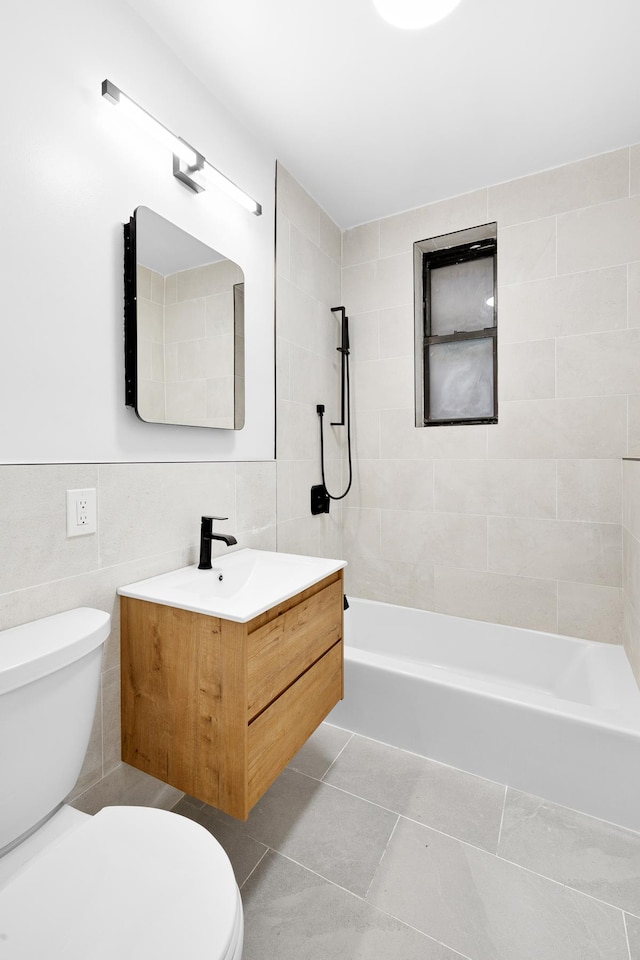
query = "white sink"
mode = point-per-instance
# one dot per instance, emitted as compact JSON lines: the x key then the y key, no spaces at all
{"x":239,"y":586}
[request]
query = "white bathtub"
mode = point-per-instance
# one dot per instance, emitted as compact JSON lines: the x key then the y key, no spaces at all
{"x":550,"y":715}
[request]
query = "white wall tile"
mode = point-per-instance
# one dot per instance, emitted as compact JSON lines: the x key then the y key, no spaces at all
{"x":578,"y":303}
{"x":527,"y":251}
{"x":515,"y":601}
{"x":590,"y":611}
{"x":396,"y":332}
{"x":398,"y":233}
{"x":400,"y":438}
{"x":383,"y":384}
{"x":592,"y":427}
{"x":598,"y":364}
{"x":599,"y":236}
{"x":595,"y":180}
{"x":446,"y":538}
{"x":634,"y":164}
{"x":516,"y":488}
{"x":312,"y":270}
{"x":634,"y":293}
{"x":631,"y":497}
{"x":555,"y":549}
{"x":391,"y":581}
{"x":389,"y":484}
{"x":590,"y":490}
{"x":296,"y":206}
{"x":361,"y":244}
{"x":33,"y":511}
{"x":527,"y":371}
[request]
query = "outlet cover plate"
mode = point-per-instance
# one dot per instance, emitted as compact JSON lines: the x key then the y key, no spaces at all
{"x":81,"y":512}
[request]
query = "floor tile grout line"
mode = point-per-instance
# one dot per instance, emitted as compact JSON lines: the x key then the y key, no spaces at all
{"x":362,"y":899}
{"x":255,"y":867}
{"x":477,"y":776}
{"x":626,"y":933}
{"x":504,"y":807}
{"x":382,"y":855}
{"x":342,"y":749}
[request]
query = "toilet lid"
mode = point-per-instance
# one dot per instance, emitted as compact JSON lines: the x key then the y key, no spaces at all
{"x":131,"y":882}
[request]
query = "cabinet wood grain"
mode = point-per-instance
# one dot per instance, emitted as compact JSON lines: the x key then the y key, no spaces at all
{"x":218,"y":708}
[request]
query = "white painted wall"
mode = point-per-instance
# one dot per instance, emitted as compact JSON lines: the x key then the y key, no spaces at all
{"x":72,"y":171}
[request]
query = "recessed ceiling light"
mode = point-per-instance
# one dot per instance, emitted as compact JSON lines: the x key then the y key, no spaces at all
{"x":414,"y":14}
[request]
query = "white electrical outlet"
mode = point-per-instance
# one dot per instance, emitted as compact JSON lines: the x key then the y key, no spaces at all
{"x":81,"y":512}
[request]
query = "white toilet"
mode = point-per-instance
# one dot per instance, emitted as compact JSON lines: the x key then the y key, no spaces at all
{"x":130,"y":882}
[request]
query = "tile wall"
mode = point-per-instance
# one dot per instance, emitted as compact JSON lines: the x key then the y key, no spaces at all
{"x":148,"y":522}
{"x":631,"y":535}
{"x":519,"y":522}
{"x":186,"y":344}
{"x":308,"y":283}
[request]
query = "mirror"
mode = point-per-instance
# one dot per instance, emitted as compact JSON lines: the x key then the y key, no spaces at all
{"x":184,"y":327}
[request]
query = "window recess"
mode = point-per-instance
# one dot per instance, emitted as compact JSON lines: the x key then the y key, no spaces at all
{"x":456,"y":331}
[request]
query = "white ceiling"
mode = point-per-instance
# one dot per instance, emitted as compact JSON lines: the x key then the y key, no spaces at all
{"x":373,"y":120}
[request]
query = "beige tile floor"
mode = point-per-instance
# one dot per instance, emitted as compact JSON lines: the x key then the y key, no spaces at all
{"x":365,"y":852}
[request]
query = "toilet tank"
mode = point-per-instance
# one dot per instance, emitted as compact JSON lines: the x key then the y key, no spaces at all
{"x":49,"y":684}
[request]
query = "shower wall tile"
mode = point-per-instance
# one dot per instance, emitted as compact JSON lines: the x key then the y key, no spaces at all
{"x":631,"y":637}
{"x":634,"y":165}
{"x":590,"y":490}
{"x":513,"y":600}
{"x":631,"y":515}
{"x":383,"y":384}
{"x":329,"y":237}
{"x":396,"y":334}
{"x":312,"y":270}
{"x":595,"y":180}
{"x":590,"y":611}
{"x":308,"y":285}
{"x":391,"y":581}
{"x":296,"y":207}
{"x":578,"y":303}
{"x":516,"y":488}
{"x":599,"y":236}
{"x":388,"y":484}
{"x":361,"y":244}
{"x":554,"y":549}
{"x":599,"y":364}
{"x":527,"y":371}
{"x":527,"y":251}
{"x":401,"y":439}
{"x":398,"y":233}
{"x":446,"y":538}
{"x":634,"y":294}
{"x":361,"y":532}
{"x":587,"y":427}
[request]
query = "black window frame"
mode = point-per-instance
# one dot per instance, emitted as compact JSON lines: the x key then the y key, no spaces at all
{"x":428,"y":259}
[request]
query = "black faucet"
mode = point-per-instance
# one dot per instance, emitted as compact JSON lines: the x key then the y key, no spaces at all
{"x":206,"y":536}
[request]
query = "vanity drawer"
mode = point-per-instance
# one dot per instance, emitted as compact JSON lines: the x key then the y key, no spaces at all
{"x":279,"y":732}
{"x":283,"y":648}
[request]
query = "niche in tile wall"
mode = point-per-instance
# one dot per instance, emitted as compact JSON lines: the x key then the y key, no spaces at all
{"x":455,"y":300}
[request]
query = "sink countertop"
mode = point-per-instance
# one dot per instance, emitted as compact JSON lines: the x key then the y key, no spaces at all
{"x":241,"y":584}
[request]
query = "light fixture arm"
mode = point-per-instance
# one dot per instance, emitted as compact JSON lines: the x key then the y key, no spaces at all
{"x":188,"y":162}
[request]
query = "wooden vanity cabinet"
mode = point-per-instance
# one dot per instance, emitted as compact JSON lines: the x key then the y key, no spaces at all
{"x":218,"y":708}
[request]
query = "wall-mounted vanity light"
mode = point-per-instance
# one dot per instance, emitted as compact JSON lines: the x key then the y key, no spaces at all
{"x":189,"y":166}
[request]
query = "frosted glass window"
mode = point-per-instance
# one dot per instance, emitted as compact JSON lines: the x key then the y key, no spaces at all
{"x":461,"y":380}
{"x":461,"y":297}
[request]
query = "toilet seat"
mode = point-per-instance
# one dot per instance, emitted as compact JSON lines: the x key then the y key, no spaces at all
{"x":131,"y":882}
